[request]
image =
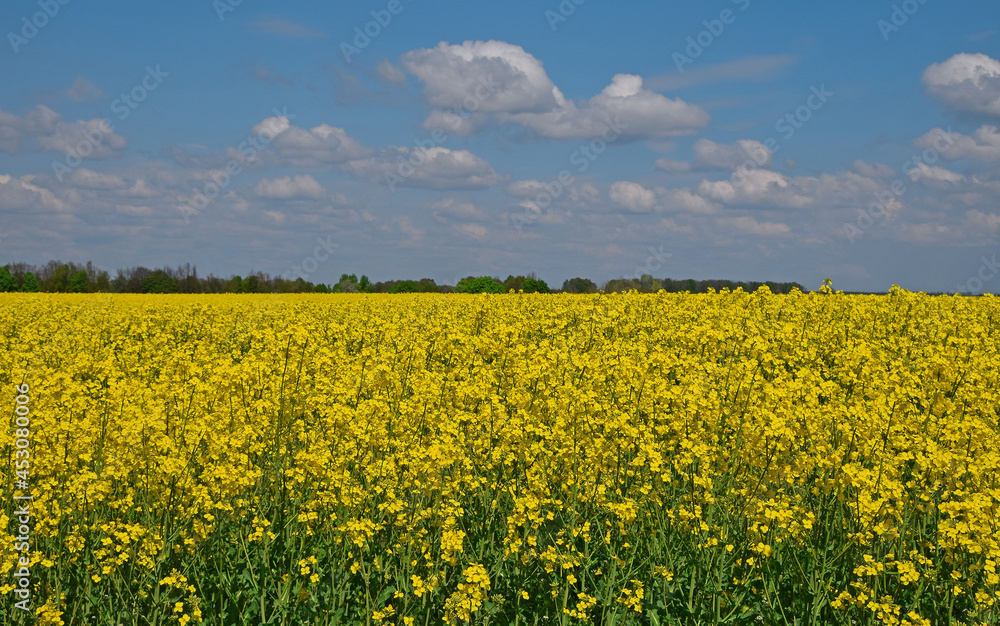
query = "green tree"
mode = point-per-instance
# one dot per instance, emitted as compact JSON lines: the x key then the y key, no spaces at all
{"x":30,"y":284}
{"x":535,"y":285}
{"x":8,"y":282}
{"x":649,"y":283}
{"x":58,"y":277}
{"x":405,"y":286}
{"x":102,"y":283}
{"x":160,"y":282}
{"x":579,"y":285}
{"x":78,"y":282}
{"x":250,"y":284}
{"x":513,"y":282}
{"x":348,"y":283}
{"x":481,"y":284}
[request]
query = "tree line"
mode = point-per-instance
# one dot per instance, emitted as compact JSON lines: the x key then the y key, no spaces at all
{"x":60,"y":277}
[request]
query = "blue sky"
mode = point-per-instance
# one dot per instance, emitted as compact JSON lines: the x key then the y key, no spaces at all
{"x":729,"y":139}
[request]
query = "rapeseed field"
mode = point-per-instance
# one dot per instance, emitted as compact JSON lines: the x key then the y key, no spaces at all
{"x":723,"y":458}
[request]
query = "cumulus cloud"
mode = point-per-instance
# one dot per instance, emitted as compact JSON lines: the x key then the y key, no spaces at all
{"x":756,"y":187}
{"x":966,"y":82}
{"x":42,"y":128}
{"x":91,"y":139}
{"x":684,"y":201}
{"x":507,"y":78}
{"x":751,"y":226}
{"x":317,"y":147}
{"x":22,"y":194}
{"x":873,"y":170}
{"x":433,"y":168}
{"x":289,"y":188}
{"x":456,"y":209}
{"x":389,"y":72}
{"x":709,"y":155}
{"x":623,"y":109}
{"x":982,"y":145}
{"x":936,"y":177}
{"x":730,"y":156}
{"x":82,"y":89}
{"x":525,"y":188}
{"x":632,"y":196}
{"x":502,"y":79}
{"x":472,"y":231}
{"x":673,"y":165}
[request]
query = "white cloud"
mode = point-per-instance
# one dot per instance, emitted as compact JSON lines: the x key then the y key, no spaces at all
{"x":452,"y":74}
{"x":390,"y":73}
{"x":435,"y":168}
{"x":90,"y":139}
{"x":317,"y":147}
{"x":458,"y":209}
{"x":271,"y":127}
{"x":683,"y":200}
{"x":673,"y":166}
{"x":967,"y":82}
{"x":936,"y":177}
{"x":288,"y":188}
{"x":982,"y":145}
{"x":529,"y":188}
{"x":83,"y":177}
{"x":454,"y":123}
{"x":873,"y":170}
{"x":82,"y":89}
{"x":709,"y":155}
{"x":759,"y":187}
{"x":752,"y":226}
{"x":623,"y":109}
{"x":22,"y":193}
{"x":502,"y":79}
{"x":730,"y":156}
{"x":632,"y":196}
{"x":473,"y":231}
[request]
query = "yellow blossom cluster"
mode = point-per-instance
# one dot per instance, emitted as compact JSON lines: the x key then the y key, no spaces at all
{"x":327,"y":459}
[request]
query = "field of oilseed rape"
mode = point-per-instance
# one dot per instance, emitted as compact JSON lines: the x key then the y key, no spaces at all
{"x":726,"y":458}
